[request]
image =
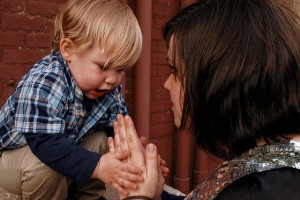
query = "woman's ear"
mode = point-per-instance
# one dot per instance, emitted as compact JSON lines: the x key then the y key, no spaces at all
{"x":65,"y":47}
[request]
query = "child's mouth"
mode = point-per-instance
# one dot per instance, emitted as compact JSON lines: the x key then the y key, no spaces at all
{"x":99,"y":93}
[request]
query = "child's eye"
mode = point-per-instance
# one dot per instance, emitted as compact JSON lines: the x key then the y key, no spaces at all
{"x":103,"y":67}
{"x":121,"y":70}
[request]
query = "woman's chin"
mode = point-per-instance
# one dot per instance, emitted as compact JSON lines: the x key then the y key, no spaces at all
{"x":177,"y":123}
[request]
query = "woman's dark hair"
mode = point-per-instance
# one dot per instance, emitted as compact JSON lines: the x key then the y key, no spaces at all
{"x":240,"y":62}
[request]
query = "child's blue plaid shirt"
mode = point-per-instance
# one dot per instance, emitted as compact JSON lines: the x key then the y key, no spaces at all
{"x":47,"y":101}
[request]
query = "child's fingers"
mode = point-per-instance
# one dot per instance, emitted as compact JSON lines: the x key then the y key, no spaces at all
{"x":120,"y":190}
{"x":164,"y":170}
{"x":132,"y":177}
{"x":163,"y":162}
{"x":111,"y":144}
{"x":130,"y":168}
{"x":121,"y":155}
{"x":144,"y":141}
{"x":128,"y":185}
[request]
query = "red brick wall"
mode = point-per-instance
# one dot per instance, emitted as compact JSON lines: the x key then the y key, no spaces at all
{"x":162,"y":130}
{"x":26,"y":28}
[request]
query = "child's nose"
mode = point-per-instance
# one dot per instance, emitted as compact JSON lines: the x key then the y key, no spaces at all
{"x":112,"y":77}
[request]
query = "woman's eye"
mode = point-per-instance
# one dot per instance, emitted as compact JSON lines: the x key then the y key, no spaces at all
{"x":173,"y":69}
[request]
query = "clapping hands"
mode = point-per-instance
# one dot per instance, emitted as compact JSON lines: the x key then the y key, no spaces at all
{"x":147,"y":159}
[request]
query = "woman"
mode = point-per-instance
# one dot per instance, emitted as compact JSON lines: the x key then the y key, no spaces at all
{"x":235,"y":84}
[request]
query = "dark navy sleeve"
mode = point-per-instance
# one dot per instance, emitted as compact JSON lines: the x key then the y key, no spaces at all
{"x":64,"y":156}
{"x":166,"y":196}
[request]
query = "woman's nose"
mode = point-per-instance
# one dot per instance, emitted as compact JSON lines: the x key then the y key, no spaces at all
{"x":168,"y":82}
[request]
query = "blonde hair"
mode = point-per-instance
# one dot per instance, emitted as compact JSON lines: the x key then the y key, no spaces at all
{"x":98,"y":22}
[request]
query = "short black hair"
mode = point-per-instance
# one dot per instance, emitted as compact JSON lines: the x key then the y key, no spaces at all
{"x":241,"y":63}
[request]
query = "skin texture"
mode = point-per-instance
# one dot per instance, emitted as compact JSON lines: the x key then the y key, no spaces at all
{"x":174,"y":86}
{"x":90,"y":71}
{"x":148,"y":158}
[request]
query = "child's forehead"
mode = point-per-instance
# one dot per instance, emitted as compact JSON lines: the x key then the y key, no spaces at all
{"x":117,"y":53}
{"x":106,"y":49}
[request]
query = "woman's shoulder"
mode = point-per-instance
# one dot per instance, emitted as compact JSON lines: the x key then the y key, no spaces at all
{"x":277,"y":184}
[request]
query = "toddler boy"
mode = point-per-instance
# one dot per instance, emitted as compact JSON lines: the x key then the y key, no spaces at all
{"x":53,"y":141}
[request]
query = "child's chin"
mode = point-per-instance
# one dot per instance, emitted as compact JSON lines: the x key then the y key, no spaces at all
{"x":90,"y":96}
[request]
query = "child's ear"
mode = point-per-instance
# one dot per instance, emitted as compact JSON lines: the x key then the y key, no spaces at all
{"x":65,"y":47}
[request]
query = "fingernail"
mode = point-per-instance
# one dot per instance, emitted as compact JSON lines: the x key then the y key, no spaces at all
{"x":151,"y":147}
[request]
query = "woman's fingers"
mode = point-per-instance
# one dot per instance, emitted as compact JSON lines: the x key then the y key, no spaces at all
{"x":152,"y":161}
{"x":134,"y":143}
{"x":117,"y":137}
{"x":154,"y":176}
{"x":132,"y":136}
{"x":111,"y":144}
{"x":122,"y":132}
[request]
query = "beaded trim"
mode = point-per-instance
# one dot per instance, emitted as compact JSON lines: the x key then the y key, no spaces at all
{"x":262,"y":158}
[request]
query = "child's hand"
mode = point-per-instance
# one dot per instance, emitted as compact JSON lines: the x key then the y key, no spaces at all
{"x":122,"y":175}
{"x":164,"y":169}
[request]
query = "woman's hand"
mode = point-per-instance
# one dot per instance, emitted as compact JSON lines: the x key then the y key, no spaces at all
{"x":163,"y":164}
{"x":148,"y":160}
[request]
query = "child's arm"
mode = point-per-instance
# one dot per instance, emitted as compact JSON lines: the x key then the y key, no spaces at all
{"x":111,"y":170}
{"x":78,"y":164}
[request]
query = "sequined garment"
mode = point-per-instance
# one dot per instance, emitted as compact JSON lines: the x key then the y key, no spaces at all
{"x":262,"y":158}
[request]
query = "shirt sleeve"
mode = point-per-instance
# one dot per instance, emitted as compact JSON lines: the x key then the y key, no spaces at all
{"x":63,"y":156}
{"x":166,"y":196}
